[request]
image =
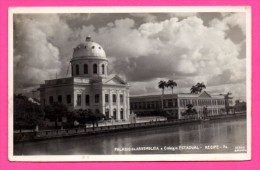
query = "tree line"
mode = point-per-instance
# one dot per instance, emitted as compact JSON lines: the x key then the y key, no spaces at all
{"x":28,"y":114}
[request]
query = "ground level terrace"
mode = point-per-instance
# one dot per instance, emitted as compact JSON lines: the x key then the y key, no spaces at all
{"x":176,"y":104}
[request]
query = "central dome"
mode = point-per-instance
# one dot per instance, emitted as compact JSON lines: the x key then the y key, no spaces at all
{"x":89,"y":49}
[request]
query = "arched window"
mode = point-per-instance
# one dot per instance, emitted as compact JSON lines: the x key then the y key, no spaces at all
{"x":107,"y":113}
{"x":72,"y":71}
{"x":95,"y":68}
{"x":114,"y":114}
{"x":77,"y":69}
{"x":85,"y":69}
{"x":121,"y":114}
{"x":103,"y":69}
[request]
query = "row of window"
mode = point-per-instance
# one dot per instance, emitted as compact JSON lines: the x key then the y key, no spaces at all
{"x":87,"y":99}
{"x":173,"y":103}
{"x":68,"y":99}
{"x":203,"y":102}
{"x":154,"y":104}
{"x":121,"y":98}
{"x":213,"y":111}
{"x":86,"y":70}
{"x":211,"y":102}
{"x":107,"y":114}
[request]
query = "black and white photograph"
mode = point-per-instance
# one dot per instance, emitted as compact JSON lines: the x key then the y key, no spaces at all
{"x":129,"y":84}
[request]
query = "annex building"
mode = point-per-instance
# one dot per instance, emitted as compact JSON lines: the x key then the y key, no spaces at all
{"x":176,"y":104}
{"x":90,"y":86}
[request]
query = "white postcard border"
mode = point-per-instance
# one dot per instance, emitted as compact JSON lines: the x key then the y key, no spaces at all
{"x":152,"y":157}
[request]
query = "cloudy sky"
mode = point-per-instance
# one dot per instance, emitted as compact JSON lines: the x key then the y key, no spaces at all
{"x":142,"y":48}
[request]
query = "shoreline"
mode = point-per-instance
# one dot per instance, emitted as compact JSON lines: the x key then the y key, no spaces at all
{"x":65,"y":133}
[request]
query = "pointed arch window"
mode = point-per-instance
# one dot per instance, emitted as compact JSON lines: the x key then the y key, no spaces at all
{"x":95,"y":68}
{"x":85,"y":69}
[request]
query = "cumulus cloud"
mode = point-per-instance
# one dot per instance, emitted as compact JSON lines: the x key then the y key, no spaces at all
{"x":230,"y":20}
{"x":185,"y":50}
{"x":35,"y":58}
{"x":145,"y":16}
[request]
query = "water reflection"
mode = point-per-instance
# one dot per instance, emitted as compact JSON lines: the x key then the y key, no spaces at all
{"x":230,"y":133}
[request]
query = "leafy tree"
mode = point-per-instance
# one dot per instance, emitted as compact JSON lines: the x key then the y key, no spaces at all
{"x":162,"y":84}
{"x":190,"y":111}
{"x":205,"y":112}
{"x":171,"y":84}
{"x":197,"y":88}
{"x":95,"y":117}
{"x":87,"y":116}
{"x":26,"y":113}
{"x":55,"y":112}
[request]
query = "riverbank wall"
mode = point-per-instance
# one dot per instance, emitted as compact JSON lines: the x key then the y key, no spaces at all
{"x":62,"y":133}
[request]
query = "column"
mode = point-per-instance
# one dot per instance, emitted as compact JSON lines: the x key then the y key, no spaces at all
{"x":124,"y":104}
{"x":110,"y":103}
{"x":197,"y":101}
{"x":178,"y":106}
{"x":117,"y":105}
{"x":211,"y":106}
{"x":128,"y":105}
{"x":75,"y":98}
{"x":103,"y":102}
{"x":217,"y":107}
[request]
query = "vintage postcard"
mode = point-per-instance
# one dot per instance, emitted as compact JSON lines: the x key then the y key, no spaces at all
{"x":129,"y":84}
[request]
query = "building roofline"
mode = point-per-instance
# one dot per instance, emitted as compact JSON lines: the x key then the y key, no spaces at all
{"x":175,"y":95}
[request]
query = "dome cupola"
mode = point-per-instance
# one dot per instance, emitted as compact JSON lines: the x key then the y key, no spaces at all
{"x":89,"y":60}
{"x":88,"y":49}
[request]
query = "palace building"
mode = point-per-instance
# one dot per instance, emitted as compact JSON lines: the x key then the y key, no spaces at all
{"x":176,"y":104}
{"x":90,"y":86}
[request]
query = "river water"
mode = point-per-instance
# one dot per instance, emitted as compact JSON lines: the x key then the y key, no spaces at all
{"x":218,"y":136}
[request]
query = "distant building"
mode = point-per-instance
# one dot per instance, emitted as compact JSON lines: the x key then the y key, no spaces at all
{"x":229,"y":104}
{"x":176,"y":104}
{"x":240,"y":106}
{"x":90,"y":86}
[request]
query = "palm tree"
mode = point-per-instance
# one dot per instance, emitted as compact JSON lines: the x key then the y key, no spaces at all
{"x":171,"y":84}
{"x":162,"y":84}
{"x":194,"y":90}
{"x":201,"y":86}
{"x":197,"y":88}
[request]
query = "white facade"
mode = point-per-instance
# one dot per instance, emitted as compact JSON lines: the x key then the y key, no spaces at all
{"x":176,"y":104}
{"x":90,"y":86}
